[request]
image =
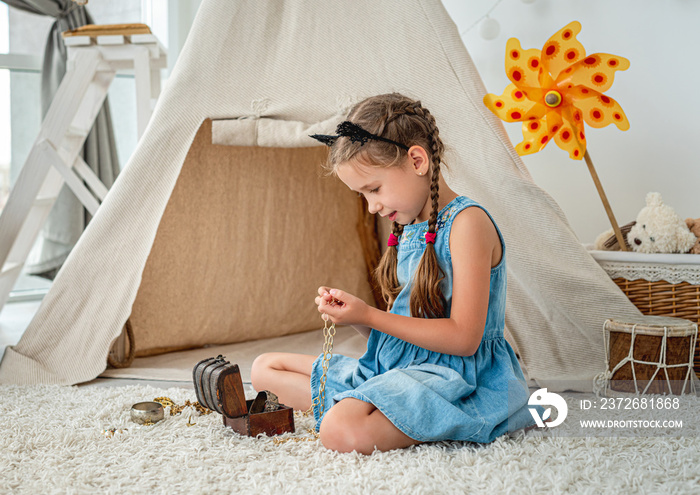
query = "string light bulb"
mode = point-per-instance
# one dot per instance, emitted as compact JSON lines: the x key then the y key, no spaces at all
{"x":489,"y":28}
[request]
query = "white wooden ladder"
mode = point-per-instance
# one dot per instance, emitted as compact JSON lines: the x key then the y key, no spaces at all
{"x":55,"y":156}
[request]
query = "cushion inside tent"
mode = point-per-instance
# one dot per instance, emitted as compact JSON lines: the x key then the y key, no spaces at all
{"x":248,"y":235}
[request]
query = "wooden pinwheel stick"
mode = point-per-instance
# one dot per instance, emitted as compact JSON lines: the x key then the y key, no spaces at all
{"x":604,"y":199}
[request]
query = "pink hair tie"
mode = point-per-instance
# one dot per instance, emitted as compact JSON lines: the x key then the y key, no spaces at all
{"x":430,"y":237}
{"x":393,"y":240}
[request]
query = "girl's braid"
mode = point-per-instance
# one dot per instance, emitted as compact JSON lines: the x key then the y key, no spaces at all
{"x":436,"y":151}
{"x":427,"y":300}
{"x":397,"y":229}
{"x":407,"y":107}
{"x":393,"y":114}
{"x":392,"y":275}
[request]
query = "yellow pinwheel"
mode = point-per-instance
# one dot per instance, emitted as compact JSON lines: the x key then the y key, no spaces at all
{"x":555,"y":90}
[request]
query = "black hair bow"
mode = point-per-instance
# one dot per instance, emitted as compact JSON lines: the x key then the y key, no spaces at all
{"x":356,"y":134}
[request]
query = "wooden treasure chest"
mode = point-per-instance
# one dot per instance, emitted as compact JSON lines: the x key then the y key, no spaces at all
{"x":219,"y":387}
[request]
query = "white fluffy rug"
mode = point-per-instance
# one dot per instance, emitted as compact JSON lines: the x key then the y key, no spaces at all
{"x":52,"y":441}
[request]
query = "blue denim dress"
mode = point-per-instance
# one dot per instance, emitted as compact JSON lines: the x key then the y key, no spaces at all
{"x":428,"y":395}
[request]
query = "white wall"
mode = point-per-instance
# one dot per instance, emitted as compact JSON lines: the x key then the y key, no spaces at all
{"x":660,"y":94}
{"x":181,"y":14}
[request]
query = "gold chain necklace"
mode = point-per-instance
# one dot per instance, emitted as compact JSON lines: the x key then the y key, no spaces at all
{"x":320,"y":399}
{"x":176,"y":409}
{"x":328,"y":334}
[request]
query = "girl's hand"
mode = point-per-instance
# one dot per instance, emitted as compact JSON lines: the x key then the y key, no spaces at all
{"x":341,"y":308}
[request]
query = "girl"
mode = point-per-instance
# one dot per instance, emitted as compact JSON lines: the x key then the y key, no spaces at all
{"x":437,"y":366}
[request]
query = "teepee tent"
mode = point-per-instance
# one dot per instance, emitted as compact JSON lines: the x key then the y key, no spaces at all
{"x":256,"y":78}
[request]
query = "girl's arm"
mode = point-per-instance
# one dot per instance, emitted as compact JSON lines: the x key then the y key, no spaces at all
{"x":475,"y":248}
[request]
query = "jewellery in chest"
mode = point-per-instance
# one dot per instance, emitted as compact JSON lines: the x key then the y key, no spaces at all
{"x":219,"y":387}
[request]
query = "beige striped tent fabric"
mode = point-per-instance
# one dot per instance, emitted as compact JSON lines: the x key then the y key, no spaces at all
{"x":305,"y":61}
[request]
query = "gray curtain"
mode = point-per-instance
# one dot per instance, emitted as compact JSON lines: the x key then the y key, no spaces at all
{"x":68,"y":218}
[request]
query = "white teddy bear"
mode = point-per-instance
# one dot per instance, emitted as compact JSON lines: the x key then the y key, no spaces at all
{"x":659,"y":229}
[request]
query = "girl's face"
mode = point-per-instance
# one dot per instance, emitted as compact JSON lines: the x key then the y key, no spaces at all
{"x":401,"y":193}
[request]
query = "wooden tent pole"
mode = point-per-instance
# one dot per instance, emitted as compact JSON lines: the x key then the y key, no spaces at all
{"x":604,"y":199}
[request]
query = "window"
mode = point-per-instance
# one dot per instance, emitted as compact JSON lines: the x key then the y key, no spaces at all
{"x":22,"y":40}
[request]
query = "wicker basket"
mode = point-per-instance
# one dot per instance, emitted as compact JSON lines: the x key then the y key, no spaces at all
{"x":658,"y":284}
